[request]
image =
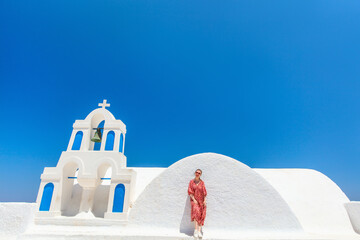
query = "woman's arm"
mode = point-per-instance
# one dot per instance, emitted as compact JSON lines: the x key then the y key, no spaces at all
{"x":190,"y":190}
{"x":193,"y":198}
{"x":205,"y":195}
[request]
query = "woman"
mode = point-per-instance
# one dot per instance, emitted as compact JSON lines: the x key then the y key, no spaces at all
{"x":197,"y":192}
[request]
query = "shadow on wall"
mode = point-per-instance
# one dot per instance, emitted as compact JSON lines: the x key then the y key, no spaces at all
{"x":73,"y":205}
{"x":101,"y":199}
{"x":100,"y":204}
{"x":186,"y":226}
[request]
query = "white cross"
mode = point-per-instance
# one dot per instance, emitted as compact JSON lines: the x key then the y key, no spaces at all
{"x":104,"y":104}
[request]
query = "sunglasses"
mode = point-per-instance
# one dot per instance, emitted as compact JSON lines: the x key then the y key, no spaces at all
{"x":198,"y":172}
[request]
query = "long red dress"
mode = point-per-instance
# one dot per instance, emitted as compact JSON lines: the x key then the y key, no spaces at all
{"x":198,"y":211}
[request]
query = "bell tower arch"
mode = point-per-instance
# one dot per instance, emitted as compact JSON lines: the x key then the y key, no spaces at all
{"x":97,"y":140}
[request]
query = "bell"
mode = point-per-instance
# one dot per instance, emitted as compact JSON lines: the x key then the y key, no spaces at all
{"x":97,"y":136}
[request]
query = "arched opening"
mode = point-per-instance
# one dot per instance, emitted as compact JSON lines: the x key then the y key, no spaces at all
{"x":109,"y":146}
{"x":46,"y":197}
{"x":71,"y":190}
{"x":101,"y":195}
{"x":77,"y":141}
{"x":119,"y":195}
{"x":97,"y":145}
{"x":121,"y":143}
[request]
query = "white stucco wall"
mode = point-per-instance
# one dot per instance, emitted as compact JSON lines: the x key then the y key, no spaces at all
{"x":242,"y":203}
{"x":315,"y":199}
{"x":353,"y":208}
{"x":143,"y":177}
{"x":15,"y":218}
{"x":239,"y":199}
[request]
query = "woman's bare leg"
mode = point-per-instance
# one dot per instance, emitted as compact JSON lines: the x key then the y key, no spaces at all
{"x":196,"y":231}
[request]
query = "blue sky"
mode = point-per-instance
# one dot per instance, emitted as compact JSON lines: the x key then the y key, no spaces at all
{"x":274,"y":84}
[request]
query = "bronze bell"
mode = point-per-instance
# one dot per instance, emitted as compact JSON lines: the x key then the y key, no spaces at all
{"x":97,"y":136}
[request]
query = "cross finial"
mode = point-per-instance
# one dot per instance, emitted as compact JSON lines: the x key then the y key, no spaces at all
{"x":104,"y":104}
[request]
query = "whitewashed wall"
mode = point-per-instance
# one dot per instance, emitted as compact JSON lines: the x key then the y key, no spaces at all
{"x":15,"y":218}
{"x":315,"y":199}
{"x":239,"y":199}
{"x":353,"y":209}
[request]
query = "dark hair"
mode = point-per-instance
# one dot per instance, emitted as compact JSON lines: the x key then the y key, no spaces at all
{"x":199,"y":170}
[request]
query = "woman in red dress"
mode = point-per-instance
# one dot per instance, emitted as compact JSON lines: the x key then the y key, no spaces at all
{"x":197,"y":192}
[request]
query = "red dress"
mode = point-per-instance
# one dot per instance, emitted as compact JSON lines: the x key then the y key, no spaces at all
{"x":198,"y":211}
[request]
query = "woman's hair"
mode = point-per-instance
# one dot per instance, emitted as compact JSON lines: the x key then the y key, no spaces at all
{"x":199,"y":170}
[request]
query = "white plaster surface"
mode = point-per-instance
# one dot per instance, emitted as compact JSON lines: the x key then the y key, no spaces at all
{"x":116,"y":233}
{"x":353,"y":208}
{"x":243,"y":203}
{"x":239,"y":199}
{"x":89,"y":193}
{"x":143,"y":177}
{"x":315,"y":199}
{"x":15,"y":218}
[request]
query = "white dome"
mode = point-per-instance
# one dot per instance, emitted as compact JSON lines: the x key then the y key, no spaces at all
{"x":239,"y":199}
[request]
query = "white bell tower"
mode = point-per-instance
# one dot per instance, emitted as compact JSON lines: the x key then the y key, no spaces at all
{"x":91,"y":178}
{"x":84,"y":130}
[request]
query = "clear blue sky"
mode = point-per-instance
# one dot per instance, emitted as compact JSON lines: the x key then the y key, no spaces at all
{"x":274,"y":84}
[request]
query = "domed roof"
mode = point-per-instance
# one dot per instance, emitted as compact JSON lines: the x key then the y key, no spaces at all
{"x":239,"y":199}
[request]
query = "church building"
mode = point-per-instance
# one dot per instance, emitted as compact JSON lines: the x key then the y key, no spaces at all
{"x":91,"y":176}
{"x":91,"y":193}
